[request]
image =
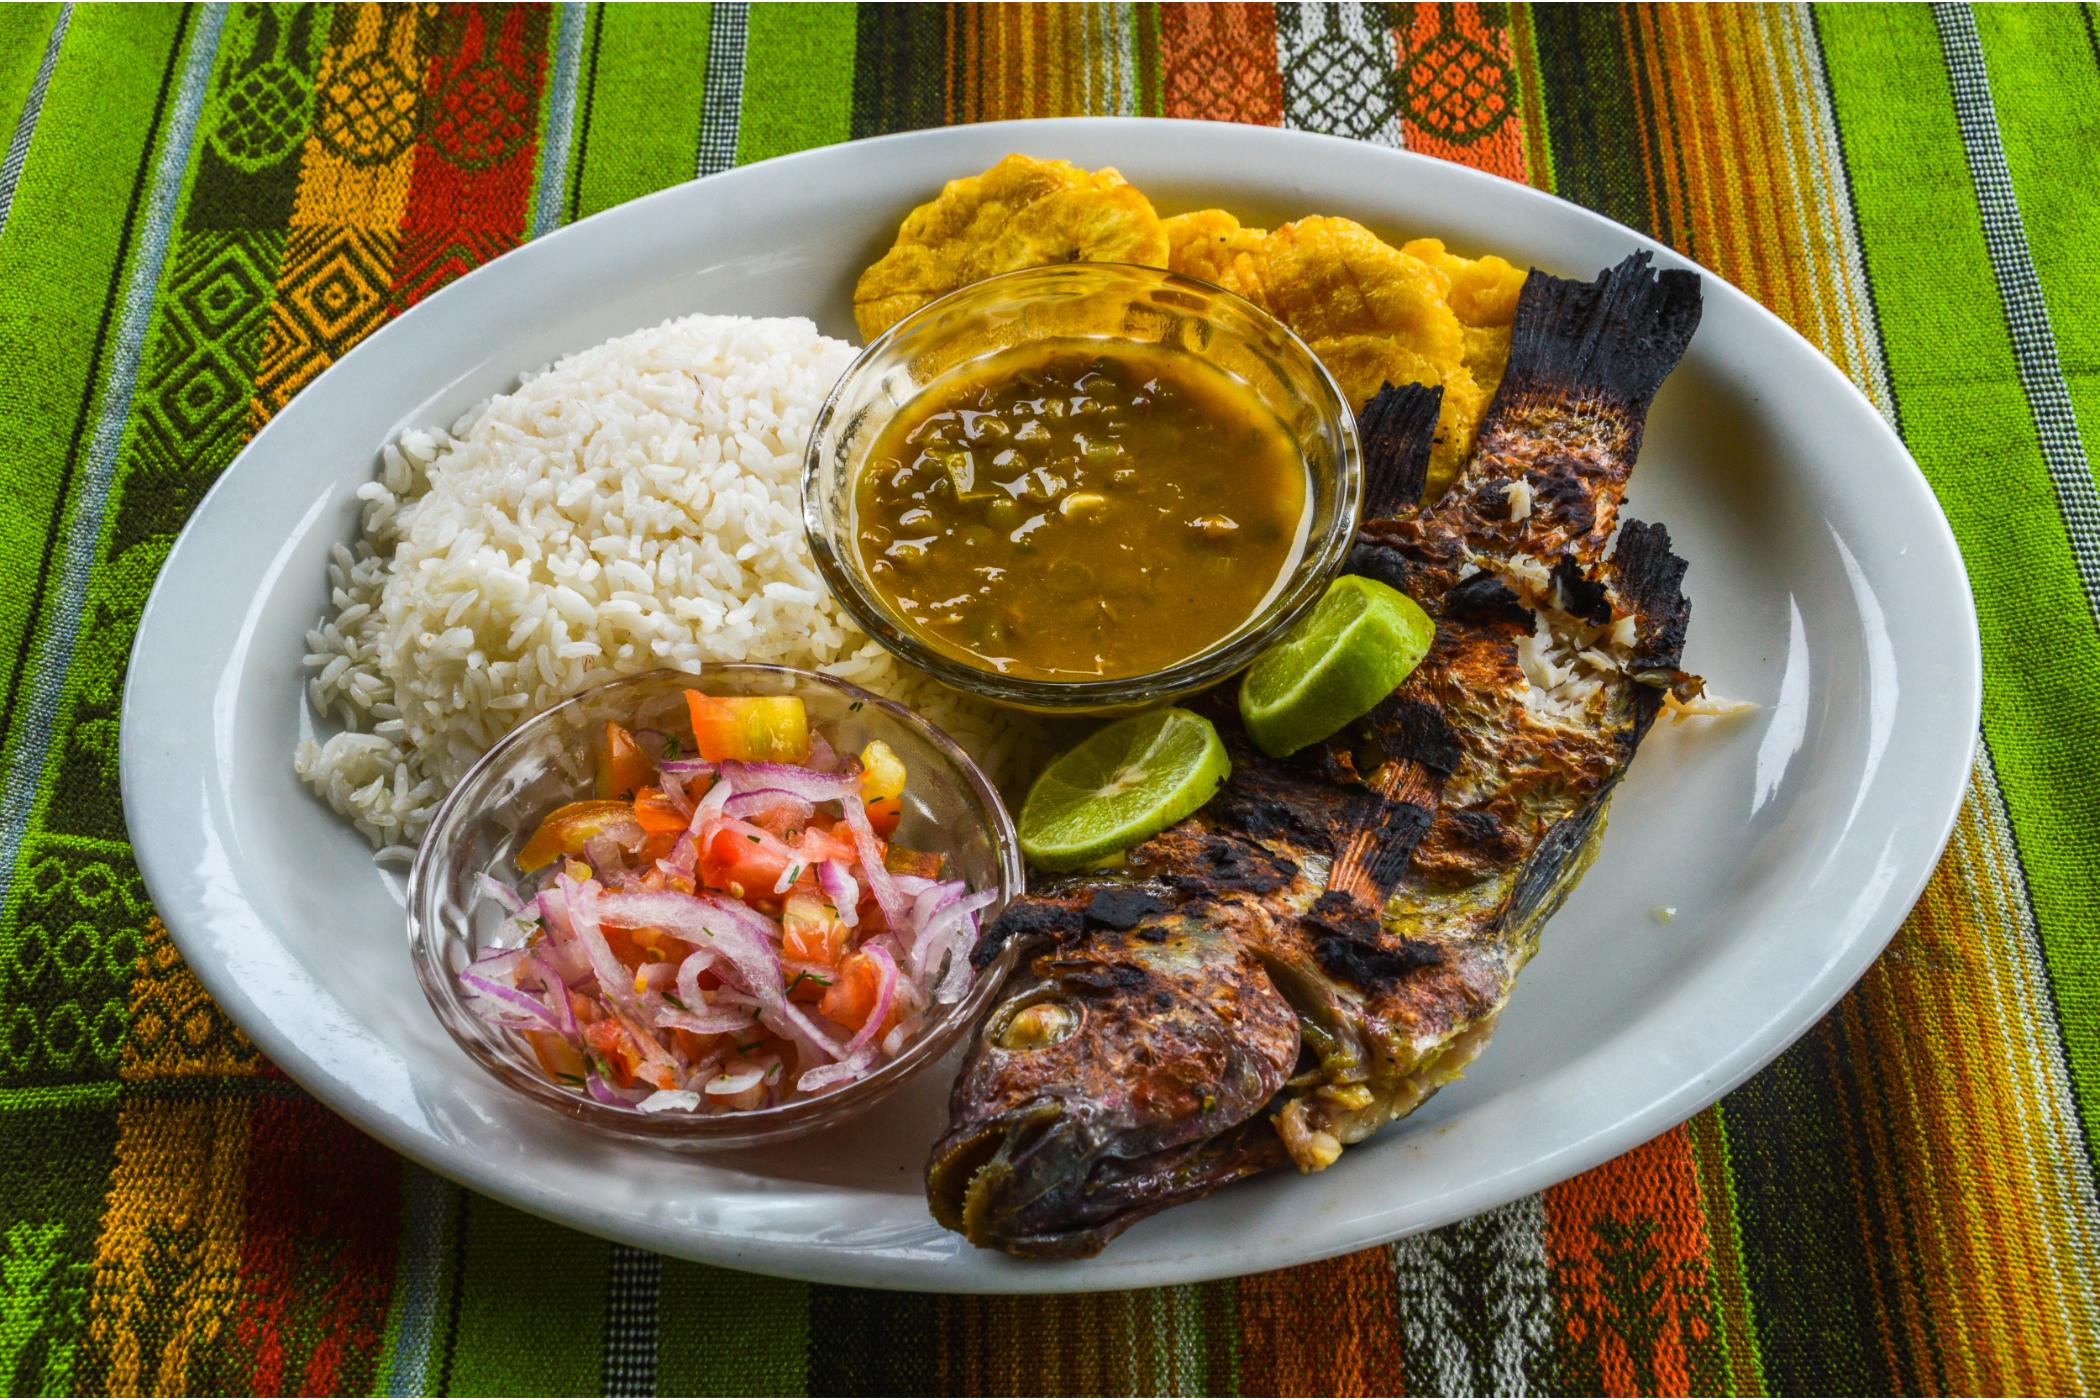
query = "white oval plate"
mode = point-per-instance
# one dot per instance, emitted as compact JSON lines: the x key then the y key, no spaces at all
{"x":1825,"y":587}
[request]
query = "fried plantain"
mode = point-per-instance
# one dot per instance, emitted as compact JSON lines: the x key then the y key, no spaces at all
{"x":1021,"y":213}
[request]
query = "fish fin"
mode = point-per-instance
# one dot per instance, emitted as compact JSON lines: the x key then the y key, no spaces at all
{"x":1416,"y":751}
{"x":1617,"y":337}
{"x":1649,"y":580}
{"x":1396,"y":428}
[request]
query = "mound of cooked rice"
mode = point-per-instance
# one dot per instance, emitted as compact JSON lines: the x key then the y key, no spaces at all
{"x":636,"y":505}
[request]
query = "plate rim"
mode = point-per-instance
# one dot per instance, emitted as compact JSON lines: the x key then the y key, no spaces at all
{"x":808,"y":1260}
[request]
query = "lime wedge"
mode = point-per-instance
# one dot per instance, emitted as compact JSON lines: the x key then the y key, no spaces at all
{"x":1350,"y":652}
{"x":1123,"y":783}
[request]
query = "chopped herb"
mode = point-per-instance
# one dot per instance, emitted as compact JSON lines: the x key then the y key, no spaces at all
{"x":672,"y":748}
{"x":574,"y":1080}
{"x":753,"y":840}
{"x":673,"y":999}
{"x":794,"y":873}
{"x":809,"y":977}
{"x":854,"y":706}
{"x":743,"y":1048}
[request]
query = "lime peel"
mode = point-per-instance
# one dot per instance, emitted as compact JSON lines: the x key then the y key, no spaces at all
{"x":1360,"y":641}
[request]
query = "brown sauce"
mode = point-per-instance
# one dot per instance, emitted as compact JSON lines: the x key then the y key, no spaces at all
{"x":1080,"y":509}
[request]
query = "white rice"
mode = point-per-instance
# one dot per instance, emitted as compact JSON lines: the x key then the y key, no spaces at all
{"x":637,"y":505}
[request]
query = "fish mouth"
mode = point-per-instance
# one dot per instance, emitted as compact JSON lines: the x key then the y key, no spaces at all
{"x":1035,"y":1183}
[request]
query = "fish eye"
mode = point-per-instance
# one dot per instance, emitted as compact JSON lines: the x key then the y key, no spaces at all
{"x":1036,"y":1026}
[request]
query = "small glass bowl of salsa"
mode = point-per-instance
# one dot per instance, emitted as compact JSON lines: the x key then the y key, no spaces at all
{"x":1084,"y":487}
{"x":948,"y":809}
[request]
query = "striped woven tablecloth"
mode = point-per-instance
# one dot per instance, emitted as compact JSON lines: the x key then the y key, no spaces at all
{"x":201,"y":209}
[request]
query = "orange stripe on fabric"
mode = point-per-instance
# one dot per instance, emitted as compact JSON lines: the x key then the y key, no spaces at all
{"x":354,"y":171}
{"x":167,"y":1261}
{"x":1459,"y":76}
{"x":1324,"y":1329}
{"x":1218,"y":63}
{"x":1538,"y":151}
{"x":1629,"y":1247}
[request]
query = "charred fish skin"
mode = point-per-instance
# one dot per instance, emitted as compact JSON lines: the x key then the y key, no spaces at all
{"x":1352,"y":918}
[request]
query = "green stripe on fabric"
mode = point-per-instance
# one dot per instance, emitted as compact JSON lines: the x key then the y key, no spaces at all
{"x":58,"y":264}
{"x":1950,"y":363}
{"x":48,"y":1228}
{"x":1805,"y":1250}
{"x":1151,"y":95}
{"x":23,"y":32}
{"x":869,"y":1343}
{"x":530,"y":1307}
{"x":641,"y":105}
{"x":1587,"y":89}
{"x":1733,"y":1305}
{"x":2045,"y":82}
{"x":900,"y":68}
{"x":726,"y":1333}
{"x":798,"y":80}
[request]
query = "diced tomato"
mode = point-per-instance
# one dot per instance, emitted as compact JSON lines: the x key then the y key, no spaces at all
{"x":623,"y":769}
{"x":658,"y":815}
{"x":882,"y":786}
{"x":826,"y":843}
{"x":568,"y":827}
{"x":638,"y":947}
{"x":697,"y":1047}
{"x":851,"y":999}
{"x":560,"y":1059}
{"x":745,"y":861}
{"x":811,"y":931}
{"x":750,"y":728}
{"x":902,"y":860}
{"x":610,"y":1039}
{"x":781,"y":818}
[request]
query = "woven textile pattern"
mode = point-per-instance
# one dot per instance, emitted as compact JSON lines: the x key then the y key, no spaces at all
{"x":202,"y":208}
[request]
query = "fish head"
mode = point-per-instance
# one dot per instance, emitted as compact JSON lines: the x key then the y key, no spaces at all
{"x":1122,"y":1072}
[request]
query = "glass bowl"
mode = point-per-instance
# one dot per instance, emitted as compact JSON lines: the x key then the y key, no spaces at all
{"x":949,"y":807}
{"x":1088,"y":301}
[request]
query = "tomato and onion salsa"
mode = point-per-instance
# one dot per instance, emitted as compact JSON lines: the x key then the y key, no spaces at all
{"x":1081,"y":509}
{"x":724,"y":923}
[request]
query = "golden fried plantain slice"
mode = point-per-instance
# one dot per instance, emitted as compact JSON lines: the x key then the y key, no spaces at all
{"x":1333,"y":277}
{"x":1216,"y":247}
{"x":1483,"y":290}
{"x":1022,"y":212}
{"x":1363,"y":364}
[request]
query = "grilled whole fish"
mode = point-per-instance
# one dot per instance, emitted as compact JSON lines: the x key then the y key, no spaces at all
{"x":1332,"y":937}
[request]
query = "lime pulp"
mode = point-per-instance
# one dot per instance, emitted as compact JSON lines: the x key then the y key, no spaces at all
{"x":1120,"y":785}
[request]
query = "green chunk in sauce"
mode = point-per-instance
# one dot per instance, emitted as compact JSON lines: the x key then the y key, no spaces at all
{"x":1076,"y":510}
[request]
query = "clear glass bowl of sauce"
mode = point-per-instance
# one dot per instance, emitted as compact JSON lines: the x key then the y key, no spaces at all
{"x":1084,"y":487}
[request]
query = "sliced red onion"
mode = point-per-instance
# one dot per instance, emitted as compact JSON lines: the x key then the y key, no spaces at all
{"x":710,"y":806}
{"x":708,"y":1020}
{"x":522,"y":1003}
{"x":728,"y":1086}
{"x":841,"y":889}
{"x":929,"y":903}
{"x":912,"y":886}
{"x":805,"y":783}
{"x":685,"y":769}
{"x":557,"y":992}
{"x":696,"y":962}
{"x":743,"y":935}
{"x":503,"y":894}
{"x":603,"y":1092}
{"x":497,"y":962}
{"x":746,"y":805}
{"x":822,"y":756}
{"x":584,"y":910}
{"x":854,"y":1066}
{"x":656,"y":976}
{"x":684,"y":859}
{"x":670,"y":1101}
{"x":799,"y":1020}
{"x":608,"y":861}
{"x":674,"y":793}
{"x":885,"y":993}
{"x":895,"y":908}
{"x":954,"y":930}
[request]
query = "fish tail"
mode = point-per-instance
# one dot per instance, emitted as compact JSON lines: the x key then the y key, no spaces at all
{"x":1616,"y":338}
{"x":1648,"y":578}
{"x":1396,"y":428}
